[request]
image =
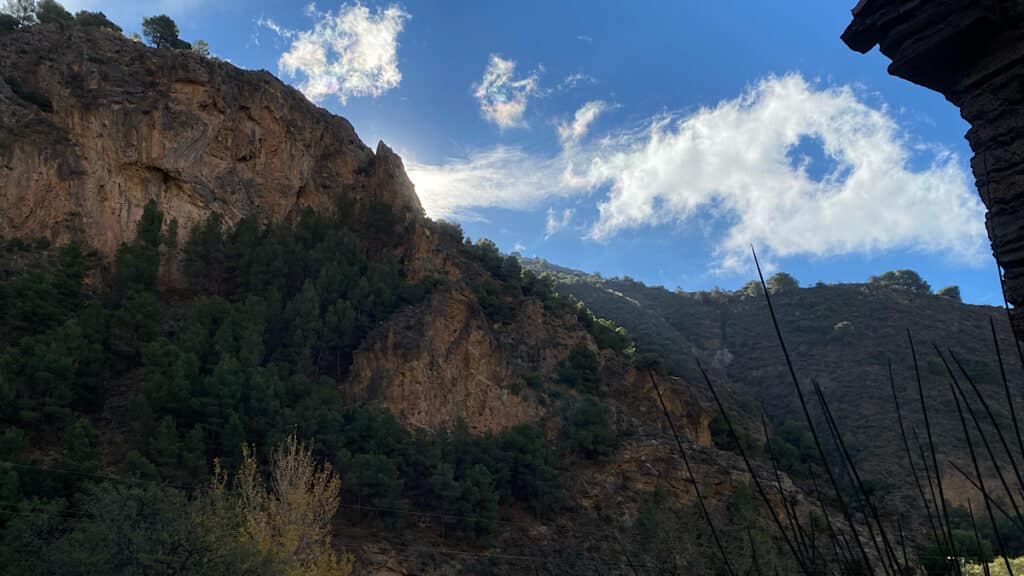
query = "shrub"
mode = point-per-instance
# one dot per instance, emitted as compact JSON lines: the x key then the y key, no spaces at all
{"x":37,"y":99}
{"x":452,"y":230}
{"x":95,"y":20}
{"x":589,"y":431}
{"x":581,"y":370}
{"x":162,"y":32}
{"x":902,"y":280}
{"x":8,"y":22}
{"x":782,"y":282}
{"x":952,"y":292}
{"x":52,"y":12}
{"x":292,"y":517}
{"x":201,"y":47}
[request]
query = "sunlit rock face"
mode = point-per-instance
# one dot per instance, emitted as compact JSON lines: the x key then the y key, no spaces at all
{"x":94,"y":125}
{"x":972,"y":52}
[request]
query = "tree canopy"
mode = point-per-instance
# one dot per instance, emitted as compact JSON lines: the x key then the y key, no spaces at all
{"x":903,"y":280}
{"x":162,"y":32}
{"x":782,"y":282}
{"x":949,"y":292}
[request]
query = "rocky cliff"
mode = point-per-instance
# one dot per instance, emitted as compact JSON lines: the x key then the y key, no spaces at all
{"x":95,"y":125}
{"x":973,"y":54}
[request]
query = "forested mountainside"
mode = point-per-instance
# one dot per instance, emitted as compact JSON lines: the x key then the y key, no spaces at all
{"x":205,"y":279}
{"x":843,"y":336}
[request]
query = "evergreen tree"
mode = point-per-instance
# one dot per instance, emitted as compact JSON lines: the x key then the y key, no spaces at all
{"x":589,"y":431}
{"x":162,"y":32}
{"x":53,"y":12}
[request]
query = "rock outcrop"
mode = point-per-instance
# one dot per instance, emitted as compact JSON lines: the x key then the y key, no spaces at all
{"x":972,"y":52}
{"x":96,"y":125}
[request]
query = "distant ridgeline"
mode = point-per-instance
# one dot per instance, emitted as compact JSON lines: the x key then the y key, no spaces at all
{"x":842,"y":335}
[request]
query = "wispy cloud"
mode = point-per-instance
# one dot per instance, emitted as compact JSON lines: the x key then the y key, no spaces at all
{"x":573,"y":80}
{"x":584,"y":38}
{"x":571,"y":132}
{"x":556,"y":222}
{"x":353,"y":52}
{"x":732,"y":163}
{"x":276,"y":28}
{"x":505,"y":177}
{"x":503,"y":97}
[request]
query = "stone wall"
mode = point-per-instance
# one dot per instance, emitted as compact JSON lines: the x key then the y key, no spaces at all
{"x":972,"y":52}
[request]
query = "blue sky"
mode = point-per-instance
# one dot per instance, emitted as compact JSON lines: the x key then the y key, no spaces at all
{"x":649,"y":139}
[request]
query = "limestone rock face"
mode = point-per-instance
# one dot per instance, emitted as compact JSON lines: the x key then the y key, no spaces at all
{"x":973,"y":54}
{"x":126,"y":124}
{"x":453,"y":370}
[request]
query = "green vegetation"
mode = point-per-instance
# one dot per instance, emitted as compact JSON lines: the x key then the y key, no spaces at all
{"x":950,"y":292}
{"x":162,"y":32}
{"x":22,"y":12}
{"x":582,"y":370}
{"x":251,"y":350}
{"x":793,"y":447}
{"x":201,"y":47}
{"x":782,"y":282}
{"x":725,"y":441}
{"x":589,"y":431}
{"x":142,"y":528}
{"x":95,"y":20}
{"x":902,"y":280}
{"x":52,"y":12}
{"x":37,"y":99}
{"x":18,"y":13}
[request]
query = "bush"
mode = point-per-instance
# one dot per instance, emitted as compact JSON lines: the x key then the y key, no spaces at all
{"x":37,"y":99}
{"x":162,"y":32}
{"x":201,"y":47}
{"x":52,"y":12}
{"x":582,"y":369}
{"x":95,"y":20}
{"x":952,"y":292}
{"x":589,"y":432}
{"x":649,"y":361}
{"x":782,"y":282}
{"x":902,"y":280}
{"x":291,"y":518}
{"x":452,"y":230}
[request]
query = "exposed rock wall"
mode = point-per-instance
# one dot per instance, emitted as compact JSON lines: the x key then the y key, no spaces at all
{"x":972,"y":52}
{"x":130,"y":123}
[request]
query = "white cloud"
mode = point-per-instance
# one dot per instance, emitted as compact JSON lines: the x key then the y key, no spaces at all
{"x":503,"y":177}
{"x":503,"y":97}
{"x":573,"y":80}
{"x":351,"y":53}
{"x":585,"y":38}
{"x":276,"y":28}
{"x":570,"y":133}
{"x":557,"y":222}
{"x":731,"y":164}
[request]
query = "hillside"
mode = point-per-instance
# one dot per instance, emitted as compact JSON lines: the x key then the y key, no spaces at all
{"x":841,"y":335}
{"x":195,"y":258}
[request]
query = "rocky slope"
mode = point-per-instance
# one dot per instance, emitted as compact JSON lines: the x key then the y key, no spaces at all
{"x":973,"y":54}
{"x":841,"y":335}
{"x":93,"y":126}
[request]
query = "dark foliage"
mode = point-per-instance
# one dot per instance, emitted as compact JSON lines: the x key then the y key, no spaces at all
{"x":589,"y":431}
{"x":37,"y":99}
